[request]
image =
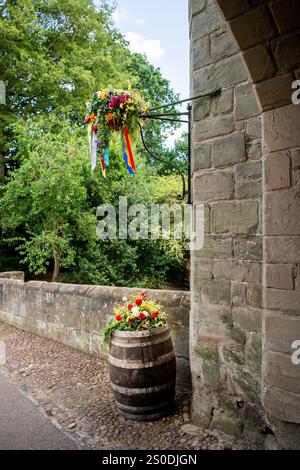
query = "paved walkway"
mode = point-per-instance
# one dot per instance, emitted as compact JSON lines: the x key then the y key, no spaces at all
{"x":23,"y":426}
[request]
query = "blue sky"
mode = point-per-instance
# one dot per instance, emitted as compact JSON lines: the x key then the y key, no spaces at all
{"x":160,"y":29}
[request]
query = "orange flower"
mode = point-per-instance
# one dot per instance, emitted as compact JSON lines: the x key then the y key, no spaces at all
{"x":110,"y":117}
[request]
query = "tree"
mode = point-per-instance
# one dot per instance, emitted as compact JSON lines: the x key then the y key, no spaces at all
{"x":47,"y":199}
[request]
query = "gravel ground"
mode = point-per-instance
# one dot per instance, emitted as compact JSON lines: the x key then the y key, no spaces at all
{"x":73,"y":388}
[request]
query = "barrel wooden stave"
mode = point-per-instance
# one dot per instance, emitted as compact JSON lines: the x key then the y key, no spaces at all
{"x":143,"y":374}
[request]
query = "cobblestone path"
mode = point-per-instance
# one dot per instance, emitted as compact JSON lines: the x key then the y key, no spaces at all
{"x":73,"y":388}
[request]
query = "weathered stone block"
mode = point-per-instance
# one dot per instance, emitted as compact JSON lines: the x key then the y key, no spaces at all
{"x":232,"y":9}
{"x":254,"y":150}
{"x":287,"y":17}
{"x":277,"y":170}
{"x":254,"y":352}
{"x":210,"y":372}
{"x":200,"y":53}
{"x":202,"y":268}
{"x":275,"y":92}
{"x":207,"y":351}
{"x":202,"y":406}
{"x":229,"y":150}
{"x":255,"y":295}
{"x":259,"y":63}
{"x":205,"y":22}
{"x":280,"y":332}
{"x":223,"y":103}
{"x":250,"y":249}
{"x":245,"y":102}
{"x":201,"y":156}
{"x":238,"y":335}
{"x":278,"y":299}
{"x":216,"y":247}
{"x":285,"y":250}
{"x":213,"y":127}
{"x":237,"y":271}
{"x":233,"y":356}
{"x":282,"y":213}
{"x":222,"y":44}
{"x":282,"y":404}
{"x":279,"y":276}
{"x":286,"y":50}
{"x":220,"y":75}
{"x":253,"y":28}
{"x":216,"y":292}
{"x":213,"y":186}
{"x":247,"y":384}
{"x":196,"y":6}
{"x":281,"y":126}
{"x":253,"y":128}
{"x":237,"y":218}
{"x":227,"y":421}
{"x":281,"y":372}
{"x":249,"y":169}
{"x":249,"y":189}
{"x":239,"y":293}
{"x":247,"y":318}
{"x":201,"y":109}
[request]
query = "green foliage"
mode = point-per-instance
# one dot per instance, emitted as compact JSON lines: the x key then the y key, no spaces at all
{"x":54,"y":55}
{"x":47,"y":198}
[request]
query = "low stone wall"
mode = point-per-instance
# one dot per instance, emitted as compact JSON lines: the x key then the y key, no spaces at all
{"x":75,"y":314}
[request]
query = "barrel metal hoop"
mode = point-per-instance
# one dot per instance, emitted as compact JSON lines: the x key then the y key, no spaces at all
{"x":137,"y":344}
{"x":141,"y":391}
{"x":143,"y":408}
{"x":141,"y":365}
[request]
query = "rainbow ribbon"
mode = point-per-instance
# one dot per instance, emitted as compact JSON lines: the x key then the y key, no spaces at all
{"x":131,"y":163}
{"x":125,"y":156}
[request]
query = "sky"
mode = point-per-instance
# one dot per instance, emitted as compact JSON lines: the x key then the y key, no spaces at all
{"x":159,"y":28}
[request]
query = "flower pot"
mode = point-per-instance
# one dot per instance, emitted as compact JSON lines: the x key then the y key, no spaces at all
{"x":142,"y":369}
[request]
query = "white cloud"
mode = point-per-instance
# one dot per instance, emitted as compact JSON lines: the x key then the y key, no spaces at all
{"x":151,"y":47}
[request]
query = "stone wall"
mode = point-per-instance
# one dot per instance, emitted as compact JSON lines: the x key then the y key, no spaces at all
{"x":226,"y":320}
{"x":74,"y":315}
{"x":245,"y":297}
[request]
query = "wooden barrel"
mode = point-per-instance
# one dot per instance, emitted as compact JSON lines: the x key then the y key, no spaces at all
{"x":142,"y":369}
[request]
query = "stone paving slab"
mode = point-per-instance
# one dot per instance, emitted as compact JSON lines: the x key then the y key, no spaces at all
{"x":24,"y":427}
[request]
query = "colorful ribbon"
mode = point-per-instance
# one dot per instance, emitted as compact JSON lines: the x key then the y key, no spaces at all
{"x":125,"y":156}
{"x":129,"y":149}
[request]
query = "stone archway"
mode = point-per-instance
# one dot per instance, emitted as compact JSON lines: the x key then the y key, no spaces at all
{"x":246,"y":169}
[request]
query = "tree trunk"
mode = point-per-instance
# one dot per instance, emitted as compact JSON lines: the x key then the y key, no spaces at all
{"x":56,"y":269}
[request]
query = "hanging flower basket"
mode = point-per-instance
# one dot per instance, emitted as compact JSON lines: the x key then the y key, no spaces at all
{"x":113,"y":111}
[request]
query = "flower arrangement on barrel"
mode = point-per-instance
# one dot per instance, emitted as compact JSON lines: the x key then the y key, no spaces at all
{"x":114,"y":111}
{"x":141,"y":359}
{"x":139,"y":314}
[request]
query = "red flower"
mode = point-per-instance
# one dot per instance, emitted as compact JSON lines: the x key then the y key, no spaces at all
{"x":130,"y":320}
{"x":87,"y":120}
{"x":142,"y":316}
{"x":130,"y":307}
{"x":138,"y":302}
{"x":142,"y":295}
{"x":154,"y":315}
{"x":94,"y":128}
{"x":119,"y":317}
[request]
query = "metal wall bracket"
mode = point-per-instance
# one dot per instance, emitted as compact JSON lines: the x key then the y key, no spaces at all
{"x":175,"y":117}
